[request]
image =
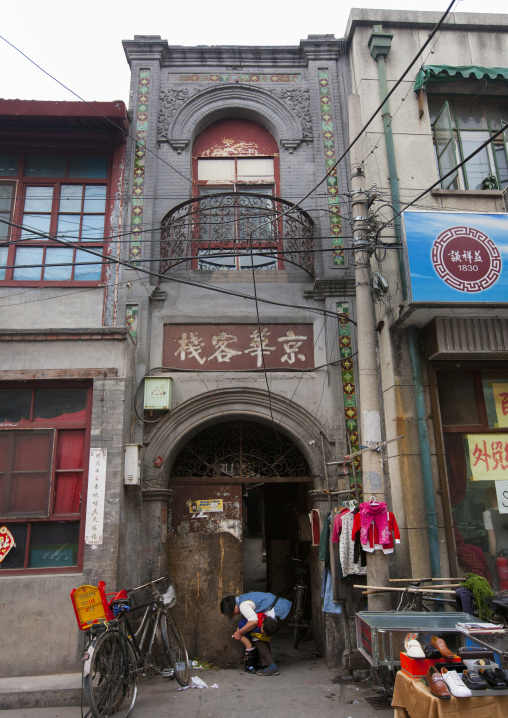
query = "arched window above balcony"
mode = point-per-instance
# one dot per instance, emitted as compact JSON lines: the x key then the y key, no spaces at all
{"x":236,"y":220}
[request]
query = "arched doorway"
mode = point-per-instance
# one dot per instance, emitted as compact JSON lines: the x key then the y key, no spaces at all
{"x":239,"y":513}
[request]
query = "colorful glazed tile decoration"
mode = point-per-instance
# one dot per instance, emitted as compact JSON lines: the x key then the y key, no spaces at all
{"x":330,"y":159}
{"x":138,"y":180}
{"x":349,"y":388}
{"x":131,"y":319}
{"x":234,"y":77}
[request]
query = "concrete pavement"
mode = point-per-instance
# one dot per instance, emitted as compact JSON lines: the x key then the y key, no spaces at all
{"x":305,"y":688}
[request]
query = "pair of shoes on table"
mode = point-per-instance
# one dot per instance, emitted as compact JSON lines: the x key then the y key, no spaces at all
{"x":440,"y":645}
{"x":447,"y":684}
{"x":268,"y":671}
{"x":474,"y":681}
{"x":494,"y":676}
{"x":413,"y":648}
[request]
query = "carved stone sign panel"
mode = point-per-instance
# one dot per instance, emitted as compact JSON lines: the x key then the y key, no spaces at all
{"x":238,"y":346}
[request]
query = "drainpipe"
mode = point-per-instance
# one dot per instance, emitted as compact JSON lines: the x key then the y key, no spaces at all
{"x":368,"y":374}
{"x":379,"y":45}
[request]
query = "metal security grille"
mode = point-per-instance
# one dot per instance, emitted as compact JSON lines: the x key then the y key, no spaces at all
{"x":240,"y":449}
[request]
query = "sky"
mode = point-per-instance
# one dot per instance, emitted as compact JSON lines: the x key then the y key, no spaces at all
{"x":81,"y":45}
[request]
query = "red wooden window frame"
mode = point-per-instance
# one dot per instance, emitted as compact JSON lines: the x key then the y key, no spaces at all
{"x":68,"y":473}
{"x":236,"y":139}
{"x":23,"y":182}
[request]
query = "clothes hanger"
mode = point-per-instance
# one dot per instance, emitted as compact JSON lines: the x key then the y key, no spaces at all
{"x":373,"y":501}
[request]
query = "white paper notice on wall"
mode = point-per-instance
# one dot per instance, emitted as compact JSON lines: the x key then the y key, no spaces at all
{"x":95,"y":501}
{"x":371,"y":427}
{"x":502,"y":496}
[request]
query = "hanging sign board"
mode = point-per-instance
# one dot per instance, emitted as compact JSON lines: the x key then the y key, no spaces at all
{"x":95,"y":500}
{"x":456,"y":257}
{"x":488,"y":457}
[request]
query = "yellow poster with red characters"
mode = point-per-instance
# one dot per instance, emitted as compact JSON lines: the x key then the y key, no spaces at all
{"x":6,"y":542}
{"x":500,"y":392}
{"x":488,"y":456}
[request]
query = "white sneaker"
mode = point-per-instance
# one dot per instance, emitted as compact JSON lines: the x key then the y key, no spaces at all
{"x":455,"y":684}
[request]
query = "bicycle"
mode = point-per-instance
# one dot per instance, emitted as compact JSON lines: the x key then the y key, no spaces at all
{"x":298,"y":619}
{"x":413,"y":600}
{"x":115,"y":654}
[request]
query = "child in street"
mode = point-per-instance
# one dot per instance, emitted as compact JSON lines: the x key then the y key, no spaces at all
{"x":265,"y":629}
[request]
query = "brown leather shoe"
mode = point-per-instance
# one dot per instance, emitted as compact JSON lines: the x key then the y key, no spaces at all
{"x":441,"y":646}
{"x":436,"y":683}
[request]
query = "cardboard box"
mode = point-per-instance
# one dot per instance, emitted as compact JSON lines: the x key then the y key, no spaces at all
{"x":419,"y":667}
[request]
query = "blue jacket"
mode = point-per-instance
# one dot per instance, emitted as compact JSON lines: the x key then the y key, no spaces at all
{"x":263,"y":601}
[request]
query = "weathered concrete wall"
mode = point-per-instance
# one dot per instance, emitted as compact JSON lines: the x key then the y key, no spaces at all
{"x":37,"y":352}
{"x":38,"y":626}
{"x":47,"y":307}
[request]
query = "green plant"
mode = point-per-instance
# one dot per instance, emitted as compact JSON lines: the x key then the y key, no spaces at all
{"x":480,"y":588}
{"x":490,"y":182}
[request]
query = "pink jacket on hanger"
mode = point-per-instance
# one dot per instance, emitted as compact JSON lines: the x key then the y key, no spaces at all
{"x":373,"y":542}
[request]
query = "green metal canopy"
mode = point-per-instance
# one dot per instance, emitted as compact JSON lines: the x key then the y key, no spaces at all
{"x":448,"y":73}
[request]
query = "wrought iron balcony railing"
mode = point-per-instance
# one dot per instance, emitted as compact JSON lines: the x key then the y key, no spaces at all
{"x":236,"y":230}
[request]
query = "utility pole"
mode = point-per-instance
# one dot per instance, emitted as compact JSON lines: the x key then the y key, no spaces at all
{"x":368,"y":372}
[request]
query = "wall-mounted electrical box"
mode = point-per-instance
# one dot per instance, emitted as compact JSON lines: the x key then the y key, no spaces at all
{"x":132,"y":464}
{"x":157,"y":393}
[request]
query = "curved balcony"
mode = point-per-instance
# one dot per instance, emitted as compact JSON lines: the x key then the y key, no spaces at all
{"x":236,"y":230}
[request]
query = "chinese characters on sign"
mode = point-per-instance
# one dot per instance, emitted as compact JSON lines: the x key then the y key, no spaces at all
{"x":488,"y":456}
{"x":239,"y":346}
{"x":500,"y":392}
{"x":455,"y":257}
{"x":95,"y":501}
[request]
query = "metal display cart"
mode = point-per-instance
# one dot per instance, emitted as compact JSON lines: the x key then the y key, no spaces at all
{"x":380,"y":634}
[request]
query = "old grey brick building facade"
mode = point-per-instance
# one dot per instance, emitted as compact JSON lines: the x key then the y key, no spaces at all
{"x":227,"y":141}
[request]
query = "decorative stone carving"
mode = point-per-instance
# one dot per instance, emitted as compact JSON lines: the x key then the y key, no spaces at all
{"x":169,"y":103}
{"x":298,"y":101}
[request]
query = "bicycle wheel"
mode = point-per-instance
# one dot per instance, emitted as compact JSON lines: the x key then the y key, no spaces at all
{"x":176,"y":648}
{"x":111,"y":682}
{"x":160,"y":651}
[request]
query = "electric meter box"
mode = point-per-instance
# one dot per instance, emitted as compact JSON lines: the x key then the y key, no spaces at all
{"x":132,"y":464}
{"x":157,"y":393}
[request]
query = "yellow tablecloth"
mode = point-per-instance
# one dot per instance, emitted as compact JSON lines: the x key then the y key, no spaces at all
{"x":414,"y":700}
